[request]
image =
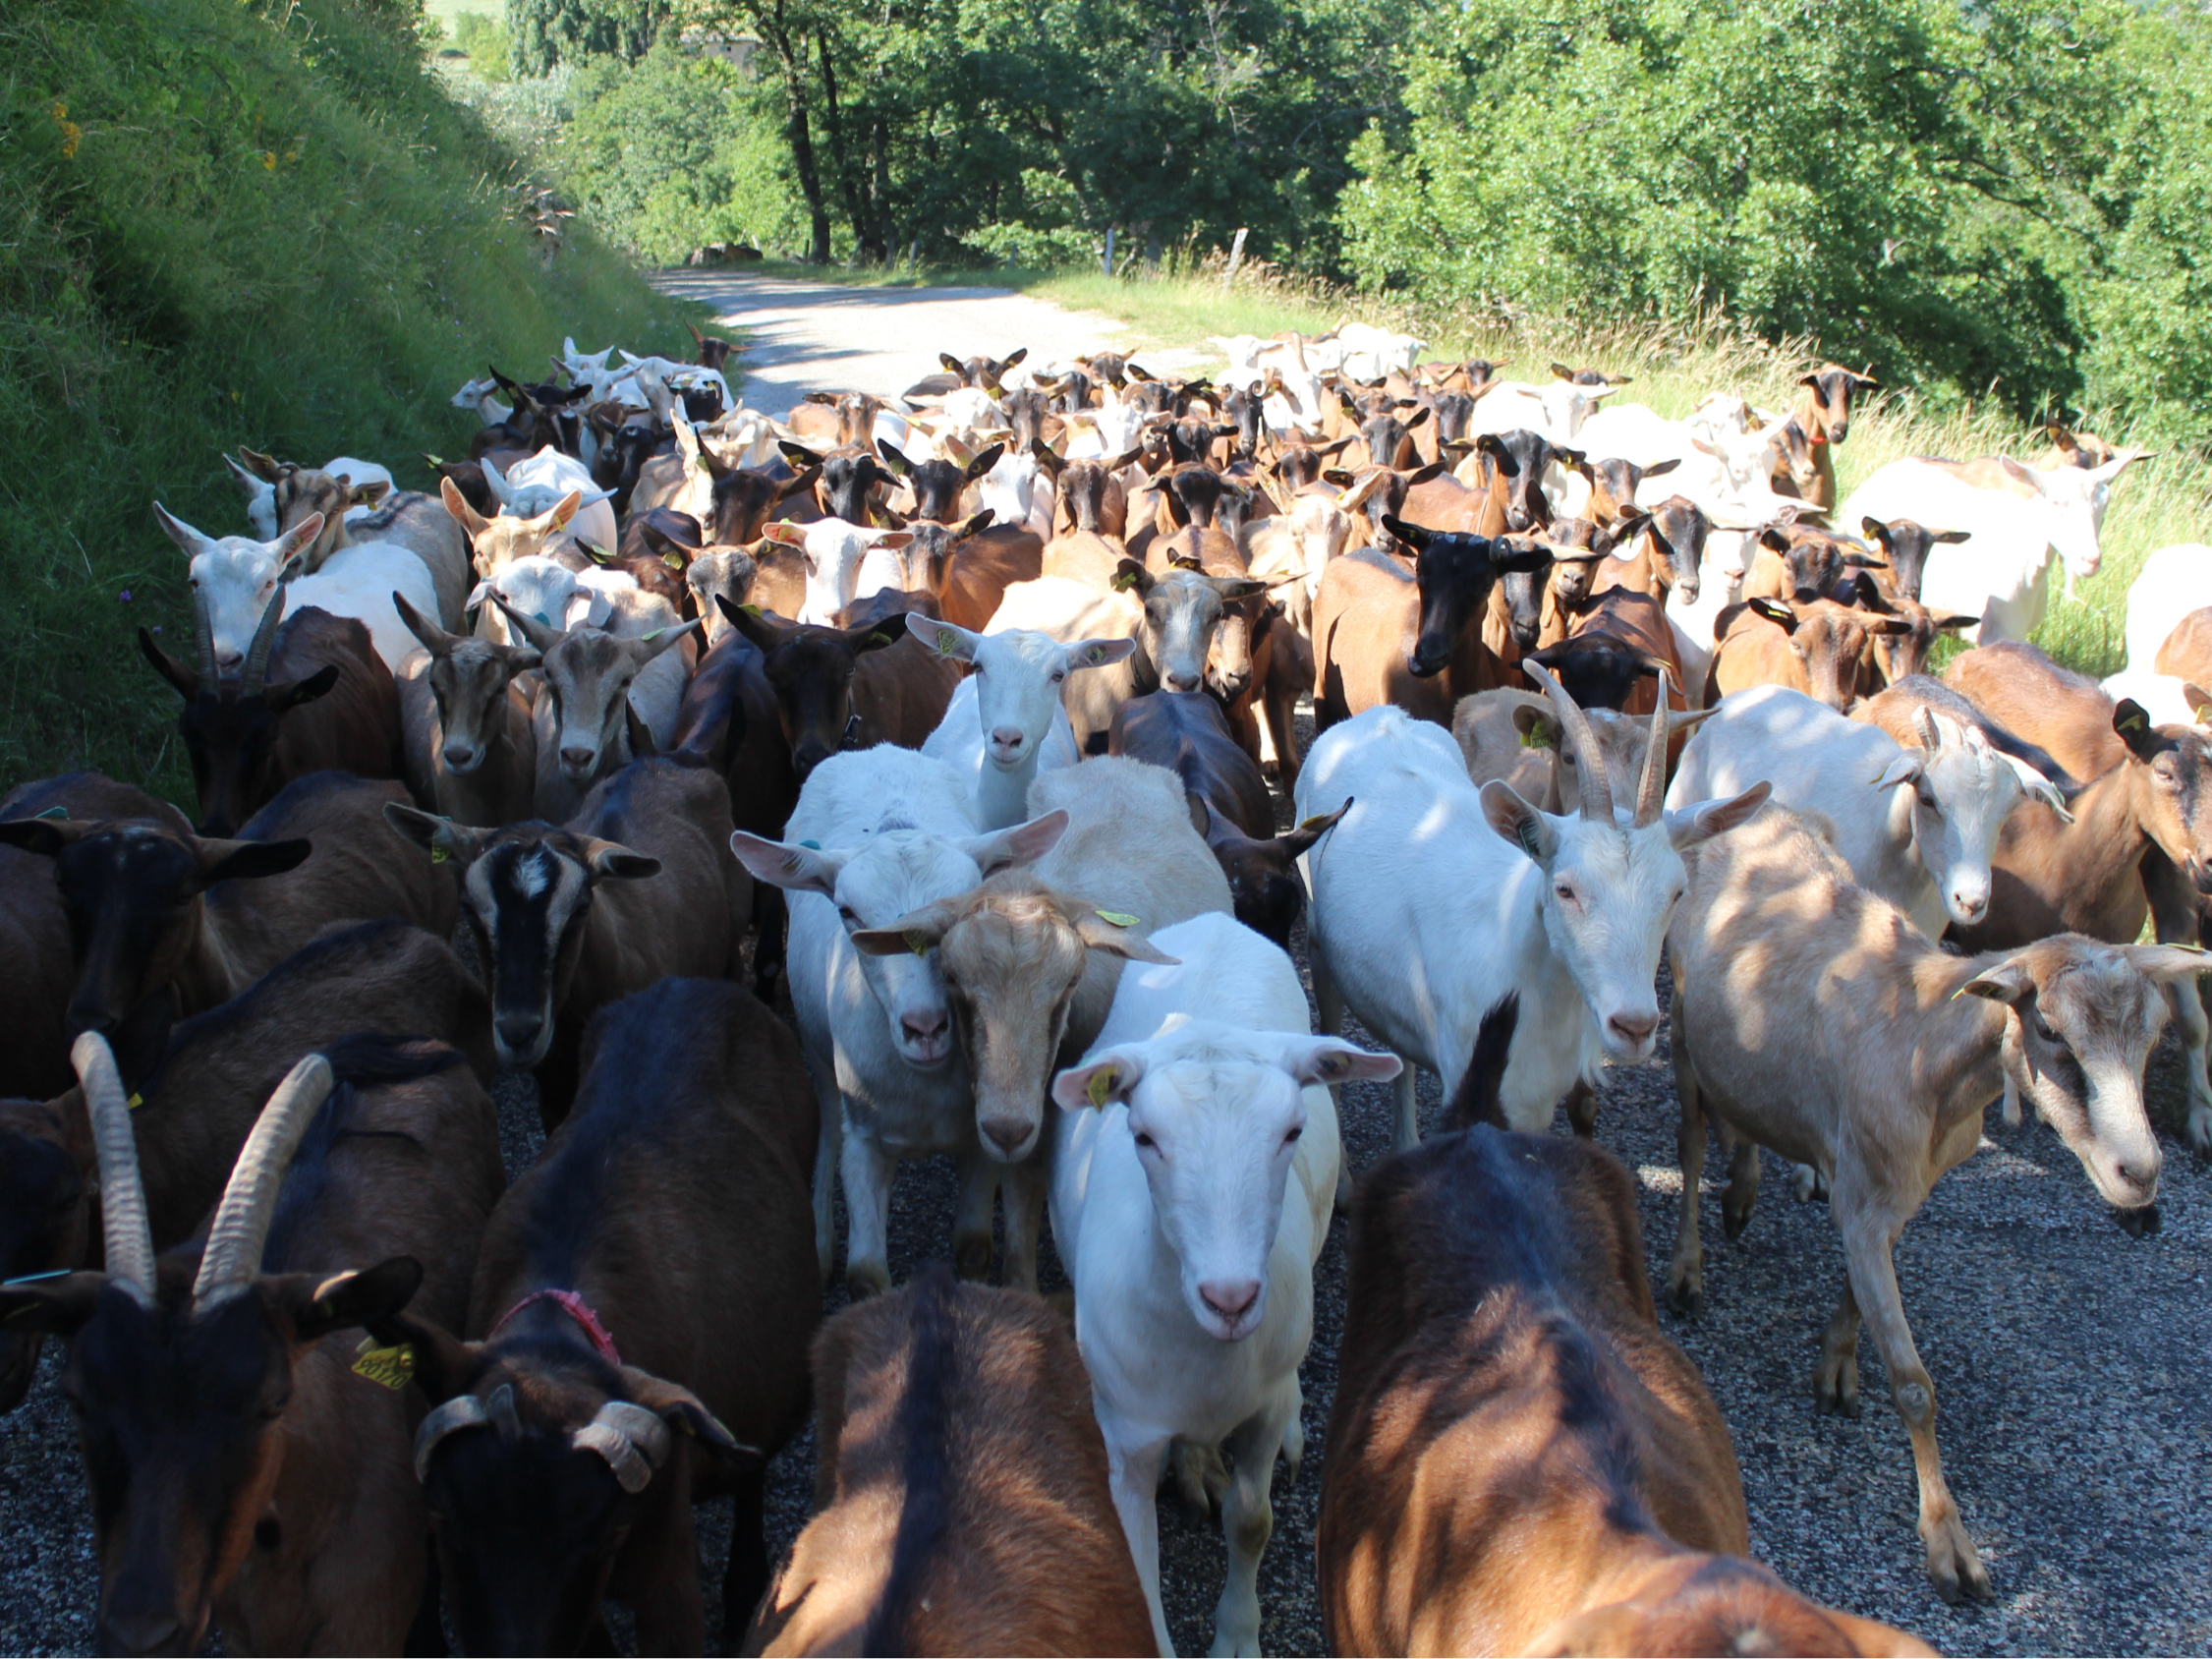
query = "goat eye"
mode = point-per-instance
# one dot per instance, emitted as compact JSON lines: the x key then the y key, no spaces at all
{"x":1145,"y":1140}
{"x":845,"y":915}
{"x":1565,"y":891}
{"x":2044,"y":1031}
{"x":1292,"y":1135}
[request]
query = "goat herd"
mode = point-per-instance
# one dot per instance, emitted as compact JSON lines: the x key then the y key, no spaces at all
{"x":959,"y":712}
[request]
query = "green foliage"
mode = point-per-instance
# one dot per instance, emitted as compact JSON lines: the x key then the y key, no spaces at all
{"x":486,"y":42}
{"x":549,"y":31}
{"x":226,"y":223}
{"x":675,"y":152}
{"x":1959,"y":196}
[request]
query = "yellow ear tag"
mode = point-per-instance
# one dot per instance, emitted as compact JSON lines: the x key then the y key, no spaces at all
{"x":1119,"y":917}
{"x":918,"y":943}
{"x":1536,"y":738}
{"x":135,"y":1101}
{"x":2131,"y":723}
{"x":671,"y":561}
{"x":1102,"y":1085}
{"x":1317,"y":822}
{"x":389,"y":1367}
{"x":438,"y":855}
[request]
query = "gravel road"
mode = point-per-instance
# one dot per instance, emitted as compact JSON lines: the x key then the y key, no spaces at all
{"x":820,"y":336}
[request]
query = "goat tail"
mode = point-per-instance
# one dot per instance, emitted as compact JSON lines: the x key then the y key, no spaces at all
{"x":1476,"y":1101}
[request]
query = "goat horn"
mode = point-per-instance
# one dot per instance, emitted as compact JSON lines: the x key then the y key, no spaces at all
{"x":499,"y":1412}
{"x":123,"y":1199}
{"x":203,"y":634}
{"x":235,"y":1240}
{"x":1651,"y":788}
{"x":1596,"y":789}
{"x":257,"y":671}
{"x":633,"y":1440}
{"x":462,"y":1411}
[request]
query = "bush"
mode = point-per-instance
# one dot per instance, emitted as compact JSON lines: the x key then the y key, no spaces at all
{"x":226,"y":223}
{"x":486,"y":40}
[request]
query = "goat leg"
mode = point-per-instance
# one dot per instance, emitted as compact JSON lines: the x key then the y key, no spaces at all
{"x":971,"y":1218}
{"x":1582,"y":1110}
{"x":1836,"y":1376}
{"x":1133,"y":1471}
{"x":1742,"y":1194}
{"x":1025,"y":1186}
{"x":1248,"y":1521}
{"x":1686,"y":1274}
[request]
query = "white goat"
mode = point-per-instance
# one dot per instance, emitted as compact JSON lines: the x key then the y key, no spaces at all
{"x":480,"y":397}
{"x":1918,"y":825}
{"x":878,"y":834}
{"x":833,"y":552}
{"x":239,"y":577}
{"x":532,"y":488}
{"x":1007,"y":720}
{"x":2173,"y":582}
{"x":565,"y":599}
{"x":1432,"y":900}
{"x":1372,"y":353}
{"x":1557,"y":409}
{"x":1198,"y":1160}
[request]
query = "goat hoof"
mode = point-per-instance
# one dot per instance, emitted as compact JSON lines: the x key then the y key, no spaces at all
{"x":2199,"y":1129}
{"x":866,"y":1279}
{"x":1957,"y":1570}
{"x":1835,"y":1393}
{"x":1735,"y":1217}
{"x":2138,"y":1223}
{"x":1687,"y":1300}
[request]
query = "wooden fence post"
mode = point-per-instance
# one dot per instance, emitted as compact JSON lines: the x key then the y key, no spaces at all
{"x":1236,"y":257}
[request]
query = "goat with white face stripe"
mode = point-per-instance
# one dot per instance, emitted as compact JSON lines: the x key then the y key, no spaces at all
{"x":1008,"y":722}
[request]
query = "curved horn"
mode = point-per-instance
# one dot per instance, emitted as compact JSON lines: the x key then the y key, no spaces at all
{"x":123,"y":1200}
{"x":1596,"y":791}
{"x":462,"y":1411}
{"x":499,"y":482}
{"x":257,"y":671}
{"x":633,"y":1440}
{"x":1651,"y":788}
{"x":241,"y":1227}
{"x":203,"y":634}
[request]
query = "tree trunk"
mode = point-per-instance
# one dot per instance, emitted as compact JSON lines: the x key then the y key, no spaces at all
{"x":769,"y":22}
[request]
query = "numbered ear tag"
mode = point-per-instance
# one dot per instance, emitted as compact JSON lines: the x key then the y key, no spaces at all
{"x":1101,"y":1086}
{"x":1536,"y":737}
{"x":1119,"y":917}
{"x":389,"y":1367}
{"x":918,"y":943}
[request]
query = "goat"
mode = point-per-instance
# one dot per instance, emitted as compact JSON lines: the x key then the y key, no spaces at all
{"x":1516,"y":736}
{"x":246,"y":738}
{"x":832,"y":549}
{"x":638,"y":885}
{"x":1069,"y":610}
{"x":894,"y":833}
{"x":1824,"y":419}
{"x":404,"y":519}
{"x":247,"y":1453}
{"x":947,"y":1412}
{"x":1812,"y":1017}
{"x":829,"y":693}
{"x":615,"y":1370}
{"x":1198,"y":1159}
{"x":1230,"y":806}
{"x":538,"y":484}
{"x":1498,"y":1307}
{"x":1007,"y":720}
{"x":1917,"y":823}
{"x":482,"y":749}
{"x":1819,"y":650}
{"x":164,"y":922}
{"x":1417,"y":929}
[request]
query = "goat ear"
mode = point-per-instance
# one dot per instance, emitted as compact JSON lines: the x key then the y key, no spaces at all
{"x":1775,"y":612}
{"x":294,"y":693}
{"x":947,"y":639}
{"x":1701,"y":823}
{"x":1903,"y":770}
{"x":1022,"y":843}
{"x":1952,"y":536}
{"x":985,"y":459}
{"x":190,"y":539}
{"x":893,"y":457}
{"x":2008,"y":982}
{"x":1118,"y":938}
{"x":1295,"y":841}
{"x":612,"y":861}
{"x":2136,"y":730}
{"x":319,"y":1305}
{"x":433,"y":833}
{"x":917,"y":931}
{"x":51,"y":1307}
{"x":1098,"y":654}
{"x":794,"y":868}
{"x":1098,"y":1082}
{"x":683,"y":1412}
{"x":457,"y":505}
{"x":2167,"y":962}
{"x":235,"y":861}
{"x":1515,"y":821}
{"x":1331,"y":1060}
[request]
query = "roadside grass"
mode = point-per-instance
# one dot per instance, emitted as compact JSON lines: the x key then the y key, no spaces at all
{"x":220,"y":224}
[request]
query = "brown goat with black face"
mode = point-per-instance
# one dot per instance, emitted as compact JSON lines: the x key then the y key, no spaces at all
{"x":1230,"y":806}
{"x":247,"y":1459}
{"x":1518,"y":1460}
{"x":158,"y":913}
{"x":638,"y":885}
{"x":830,"y":691}
{"x":198,"y":1097}
{"x":313,"y":696}
{"x":640,"y":1322}
{"x":960,"y":1492}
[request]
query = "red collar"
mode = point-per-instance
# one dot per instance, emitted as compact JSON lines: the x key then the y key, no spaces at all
{"x":576,"y":1309}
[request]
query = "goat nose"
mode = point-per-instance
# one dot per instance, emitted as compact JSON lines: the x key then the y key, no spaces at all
{"x":1231,"y":1298}
{"x":1633,"y":1028}
{"x":807,"y":756}
{"x":142,"y":1632}
{"x":575,"y":758}
{"x":1008,"y":1135}
{"x":1182,"y":682}
{"x":459,"y":756}
{"x":924,"y":1027}
{"x":1008,"y":740}
{"x":518,"y":1032}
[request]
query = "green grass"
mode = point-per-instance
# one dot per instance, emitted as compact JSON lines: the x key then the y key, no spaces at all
{"x":225,"y":223}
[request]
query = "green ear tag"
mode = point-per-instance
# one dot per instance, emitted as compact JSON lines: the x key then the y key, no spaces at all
{"x":438,"y":855}
{"x":648,"y":639}
{"x":53,"y":811}
{"x":390,"y":1367}
{"x":1102,"y":1085}
{"x":135,"y":1101}
{"x":1536,"y":738}
{"x":2130,"y":723}
{"x":918,"y":943}
{"x":671,"y":561}
{"x":752,"y":610}
{"x":1119,"y":917}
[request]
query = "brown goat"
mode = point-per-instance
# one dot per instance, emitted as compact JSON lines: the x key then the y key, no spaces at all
{"x":638,"y":885}
{"x":1618,"y":640}
{"x":643,"y":1304}
{"x":1518,"y":1460}
{"x":246,"y":1448}
{"x":161,"y":914}
{"x":960,"y":1492}
{"x":481,"y":748}
{"x":1819,"y":648}
{"x":825,"y":702}
{"x":1824,"y":415}
{"x":331,"y":707}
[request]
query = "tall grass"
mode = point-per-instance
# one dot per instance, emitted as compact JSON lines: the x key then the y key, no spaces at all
{"x":2155,"y":503}
{"x":226,"y":223}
